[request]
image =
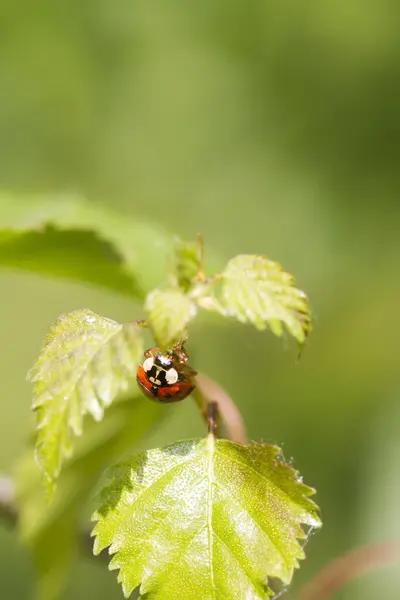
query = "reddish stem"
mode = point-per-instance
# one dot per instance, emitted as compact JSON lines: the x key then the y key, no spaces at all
{"x":208,"y":392}
{"x":345,"y":568}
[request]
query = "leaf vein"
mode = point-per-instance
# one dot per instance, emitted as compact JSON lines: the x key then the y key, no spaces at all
{"x":270,"y":484}
{"x":267,"y":533}
{"x":230,"y":552}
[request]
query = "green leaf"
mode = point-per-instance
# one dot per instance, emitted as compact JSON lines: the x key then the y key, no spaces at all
{"x":256,"y":290}
{"x":51,"y":532}
{"x":203,"y":520}
{"x":85,"y":362}
{"x":168,"y":314}
{"x":79,"y":255}
{"x":66,"y":236}
{"x":188,"y":262}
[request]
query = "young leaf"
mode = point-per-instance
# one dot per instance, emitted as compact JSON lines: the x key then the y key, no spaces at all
{"x":256,"y":290}
{"x":52,"y":532}
{"x":188,"y":262}
{"x":85,"y":362}
{"x":168,"y":314}
{"x":204,"y":519}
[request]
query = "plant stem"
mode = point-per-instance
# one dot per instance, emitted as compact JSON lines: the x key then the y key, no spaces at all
{"x":211,"y":418}
{"x":340,"y":571}
{"x":8,"y":511}
{"x":200,"y":277}
{"x":226,"y":413}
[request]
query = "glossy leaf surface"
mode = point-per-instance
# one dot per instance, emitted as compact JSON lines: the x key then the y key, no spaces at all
{"x":204,"y":520}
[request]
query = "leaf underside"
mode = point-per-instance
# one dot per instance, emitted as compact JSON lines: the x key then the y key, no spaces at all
{"x":256,"y":290}
{"x":168,"y":314}
{"x":85,"y":362}
{"x":204,"y":520}
{"x":64,"y":235}
{"x":71,"y":254}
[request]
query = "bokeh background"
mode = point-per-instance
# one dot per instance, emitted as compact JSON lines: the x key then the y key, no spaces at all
{"x":270,"y":127}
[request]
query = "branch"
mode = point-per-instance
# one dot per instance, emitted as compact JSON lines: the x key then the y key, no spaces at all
{"x":226,"y":412}
{"x":340,"y":571}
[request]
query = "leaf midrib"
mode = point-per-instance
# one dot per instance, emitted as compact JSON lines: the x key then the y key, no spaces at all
{"x":210,"y":533}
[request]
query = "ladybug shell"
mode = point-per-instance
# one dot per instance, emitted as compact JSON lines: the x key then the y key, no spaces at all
{"x":167,"y":393}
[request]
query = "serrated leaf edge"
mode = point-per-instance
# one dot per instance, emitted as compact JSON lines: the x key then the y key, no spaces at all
{"x":293,"y":475}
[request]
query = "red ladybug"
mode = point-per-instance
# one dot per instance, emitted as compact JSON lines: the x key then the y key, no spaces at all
{"x":166,"y":377}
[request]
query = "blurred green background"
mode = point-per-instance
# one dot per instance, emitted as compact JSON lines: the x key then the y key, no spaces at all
{"x":270,"y":127}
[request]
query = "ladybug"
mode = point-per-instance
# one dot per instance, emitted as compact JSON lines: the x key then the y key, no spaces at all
{"x":166,"y":377}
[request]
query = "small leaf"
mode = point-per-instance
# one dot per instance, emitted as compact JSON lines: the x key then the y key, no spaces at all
{"x":257,"y":290}
{"x":52,"y":532}
{"x":203,"y":520}
{"x":188,"y":262}
{"x":168,"y":314}
{"x":86,"y":361}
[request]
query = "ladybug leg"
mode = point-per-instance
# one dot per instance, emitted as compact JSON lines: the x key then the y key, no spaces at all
{"x":178,"y":351}
{"x":187,"y":371}
{"x":151,"y":352}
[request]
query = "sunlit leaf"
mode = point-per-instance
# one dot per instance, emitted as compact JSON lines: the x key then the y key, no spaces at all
{"x":188,"y":262}
{"x":204,"y":519}
{"x":52,"y":532}
{"x":256,"y":290}
{"x":168,"y":314}
{"x":66,"y":236}
{"x":85,"y":362}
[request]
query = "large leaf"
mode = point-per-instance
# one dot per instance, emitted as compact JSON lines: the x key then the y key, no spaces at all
{"x":52,"y":532}
{"x":66,"y":236}
{"x":70,"y":253}
{"x":204,"y":520}
{"x":85,"y":362}
{"x":168,"y":314}
{"x":256,"y":290}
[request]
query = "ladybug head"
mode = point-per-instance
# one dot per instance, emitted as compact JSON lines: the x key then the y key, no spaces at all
{"x":163,"y":360}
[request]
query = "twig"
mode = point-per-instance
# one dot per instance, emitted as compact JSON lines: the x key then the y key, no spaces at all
{"x":200,"y":276}
{"x":346,"y":568}
{"x":225,"y":409}
{"x":211,"y":414}
{"x":8,"y":511}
